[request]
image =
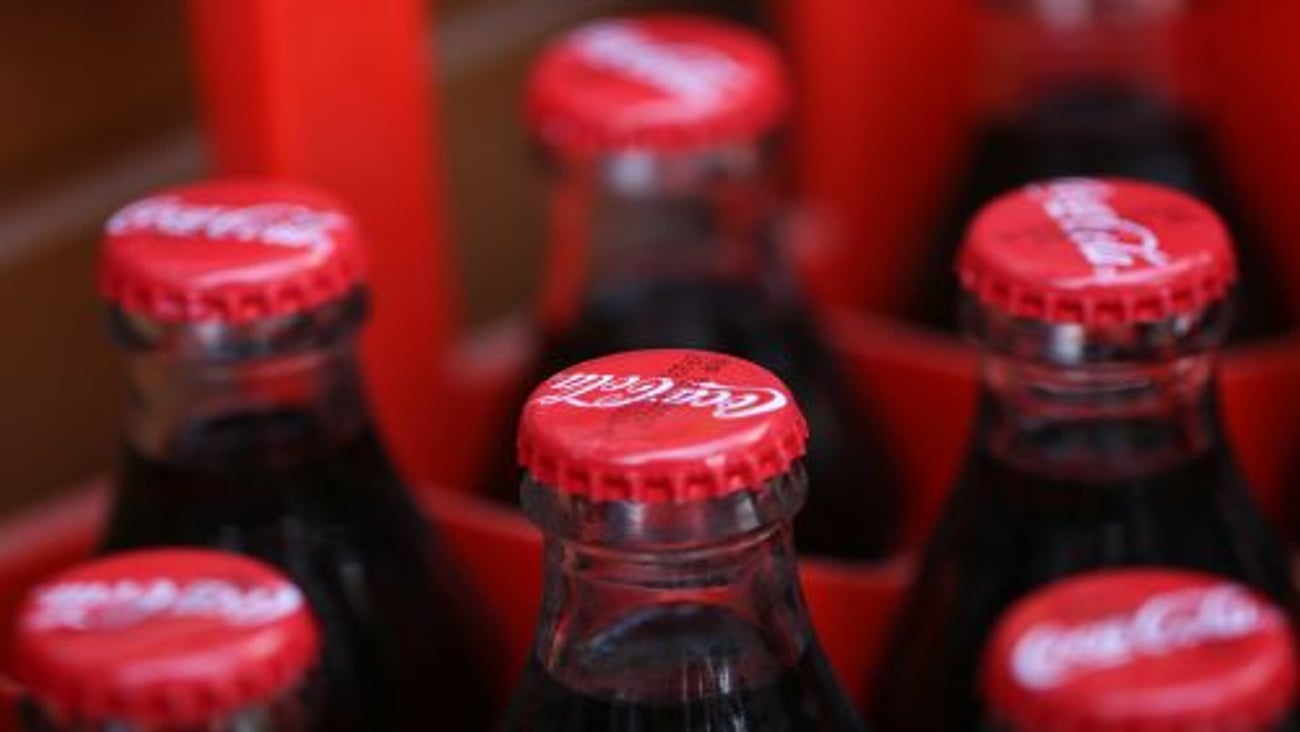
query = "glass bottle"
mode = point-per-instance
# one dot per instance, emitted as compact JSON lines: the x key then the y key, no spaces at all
{"x":1087,"y":88}
{"x":1141,"y":650}
{"x":664,"y":483}
{"x":238,"y":304}
{"x":1099,"y":306}
{"x":659,"y":134}
{"x":169,"y":640}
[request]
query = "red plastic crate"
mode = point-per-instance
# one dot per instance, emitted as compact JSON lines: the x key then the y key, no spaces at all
{"x":335,"y":92}
{"x":850,"y":604}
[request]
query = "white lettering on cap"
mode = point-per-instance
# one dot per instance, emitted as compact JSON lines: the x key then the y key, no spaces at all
{"x":607,"y":391}
{"x":1106,"y":240}
{"x":88,"y":605}
{"x":1051,"y":654}
{"x":693,"y":74}
{"x":276,"y":224}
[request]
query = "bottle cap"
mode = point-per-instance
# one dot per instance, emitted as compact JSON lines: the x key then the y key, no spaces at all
{"x":166,"y":637}
{"x":1097,"y":252}
{"x":230,"y":251}
{"x":1141,"y":650}
{"x":660,"y":425}
{"x":666,"y":83}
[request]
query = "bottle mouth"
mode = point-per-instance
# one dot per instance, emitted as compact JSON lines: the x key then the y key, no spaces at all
{"x":232,"y":250}
{"x":166,"y":638}
{"x":1168,"y":634}
{"x":639,"y":171}
{"x":1082,"y":344}
{"x":1089,"y":391}
{"x":663,"y":82}
{"x":214,"y":340}
{"x":1097,"y":251}
{"x":664,"y":526}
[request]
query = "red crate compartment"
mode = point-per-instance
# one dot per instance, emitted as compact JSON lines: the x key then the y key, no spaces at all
{"x":285,"y":96}
{"x":914,"y":378}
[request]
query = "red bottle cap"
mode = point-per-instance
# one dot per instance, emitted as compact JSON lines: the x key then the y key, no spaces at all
{"x":230,"y":251}
{"x":163,"y":637}
{"x":1142,"y":650}
{"x":660,"y":425}
{"x":664,"y":82}
{"x":1097,"y":252}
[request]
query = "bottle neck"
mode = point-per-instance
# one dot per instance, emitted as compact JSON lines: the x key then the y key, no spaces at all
{"x":643,"y":598}
{"x":634,"y":219}
{"x":201,"y":391}
{"x":1076,"y":55}
{"x":1097,"y":402}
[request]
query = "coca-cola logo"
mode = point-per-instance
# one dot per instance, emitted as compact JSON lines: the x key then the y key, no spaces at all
{"x":607,"y":391}
{"x":275,"y":224}
{"x":1051,"y":654}
{"x":1108,"y":241}
{"x":693,"y":74}
{"x":97,"y":605}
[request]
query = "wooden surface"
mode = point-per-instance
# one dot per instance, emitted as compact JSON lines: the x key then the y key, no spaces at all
{"x":91,"y":92}
{"x":82,"y":79}
{"x":99,"y":109}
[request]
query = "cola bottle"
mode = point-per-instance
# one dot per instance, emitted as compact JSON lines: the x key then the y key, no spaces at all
{"x":1141,"y":650}
{"x":1099,"y":306}
{"x":658,"y":133}
{"x":1087,"y":91}
{"x":238,"y":304}
{"x":167,"y":640}
{"x":664,"y":482}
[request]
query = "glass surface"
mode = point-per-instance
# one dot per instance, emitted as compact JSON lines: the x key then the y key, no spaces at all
{"x":257,"y":440}
{"x":1084,"y":89}
{"x":654,"y":251}
{"x":1094,"y":448}
{"x":675,"y":617}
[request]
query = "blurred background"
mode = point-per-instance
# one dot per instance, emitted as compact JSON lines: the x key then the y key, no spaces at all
{"x":100,"y":106}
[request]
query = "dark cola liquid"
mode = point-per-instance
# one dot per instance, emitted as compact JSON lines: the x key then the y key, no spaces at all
{"x":852,"y":509}
{"x":333,"y":514}
{"x":751,"y":13}
{"x":683,"y":668}
{"x":1007,"y":531}
{"x":1099,"y":131}
{"x":1289,"y":724}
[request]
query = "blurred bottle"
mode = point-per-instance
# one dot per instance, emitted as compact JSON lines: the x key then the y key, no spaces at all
{"x":664,"y":482}
{"x":167,"y":640}
{"x":658,"y":132}
{"x":1099,"y":307}
{"x":1086,"y":88}
{"x":1143,"y":650}
{"x":238,"y":305}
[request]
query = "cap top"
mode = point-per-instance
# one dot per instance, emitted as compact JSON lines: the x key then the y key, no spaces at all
{"x":1138,"y":650}
{"x":660,"y":425}
{"x":164,"y":637}
{"x":664,"y":82}
{"x":229,"y":250}
{"x":1096,"y":252}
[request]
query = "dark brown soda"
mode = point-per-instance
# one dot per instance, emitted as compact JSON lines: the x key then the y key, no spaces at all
{"x":708,"y":685}
{"x":1099,"y":129}
{"x":1289,"y":724}
{"x":328,"y":509}
{"x":1008,"y":530}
